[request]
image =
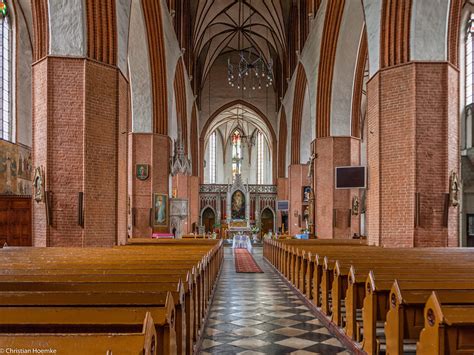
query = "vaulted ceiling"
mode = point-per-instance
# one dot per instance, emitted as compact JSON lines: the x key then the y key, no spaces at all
{"x":239,"y":116}
{"x":225,"y":26}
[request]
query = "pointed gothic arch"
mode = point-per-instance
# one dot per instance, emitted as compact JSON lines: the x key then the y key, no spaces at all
{"x":268,"y":125}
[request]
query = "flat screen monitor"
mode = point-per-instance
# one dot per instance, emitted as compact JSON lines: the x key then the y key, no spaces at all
{"x":351,"y":177}
{"x":283,"y":205}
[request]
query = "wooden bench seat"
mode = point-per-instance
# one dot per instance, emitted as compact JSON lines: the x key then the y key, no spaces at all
{"x":130,"y":276}
{"x":335,"y":278}
{"x":448,"y":329}
{"x":376,"y":302}
{"x":184,"y":320}
{"x":353,"y":287}
{"x":185,"y":303}
{"x":143,"y":341}
{"x":161,"y":306}
{"x":404,"y":320}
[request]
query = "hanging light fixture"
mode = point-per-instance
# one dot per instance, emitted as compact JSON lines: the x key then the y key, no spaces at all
{"x":252,"y":72}
{"x":246,"y":140}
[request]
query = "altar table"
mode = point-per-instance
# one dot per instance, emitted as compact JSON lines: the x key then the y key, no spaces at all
{"x":242,"y":241}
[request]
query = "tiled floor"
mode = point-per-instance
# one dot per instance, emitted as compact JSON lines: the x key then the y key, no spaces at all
{"x":260,"y":314}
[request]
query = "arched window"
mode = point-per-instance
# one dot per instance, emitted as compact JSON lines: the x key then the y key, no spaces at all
{"x":6,"y":128}
{"x":236,"y":153}
{"x":469,"y":82}
{"x":212,"y":158}
{"x":260,"y":159}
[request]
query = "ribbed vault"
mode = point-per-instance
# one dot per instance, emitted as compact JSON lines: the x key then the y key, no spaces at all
{"x":223,"y":26}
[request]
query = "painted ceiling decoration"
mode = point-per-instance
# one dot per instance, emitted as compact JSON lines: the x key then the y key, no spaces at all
{"x":228,"y":26}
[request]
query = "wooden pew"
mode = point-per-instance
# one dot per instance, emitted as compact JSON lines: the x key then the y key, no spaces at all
{"x":164,"y":285}
{"x":376,"y":301}
{"x":143,"y":341}
{"x":121,"y":265}
{"x":335,"y":275}
{"x":407,"y":302}
{"x":116,"y":282}
{"x":352,"y":288}
{"x":448,"y":329}
{"x":22,"y":310}
{"x":357,"y":285}
{"x":340,"y":281}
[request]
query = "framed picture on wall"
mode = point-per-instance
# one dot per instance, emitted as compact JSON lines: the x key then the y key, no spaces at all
{"x":142,"y":171}
{"x":160,"y":210}
{"x":306,"y":193}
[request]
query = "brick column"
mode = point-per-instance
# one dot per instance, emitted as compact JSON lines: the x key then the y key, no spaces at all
{"x":333,"y":218}
{"x":412,"y":148}
{"x":75,"y":139}
{"x":297,"y":178}
{"x":154,"y":150}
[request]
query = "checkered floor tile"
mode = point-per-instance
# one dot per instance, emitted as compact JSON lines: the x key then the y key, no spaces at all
{"x":259,"y":314}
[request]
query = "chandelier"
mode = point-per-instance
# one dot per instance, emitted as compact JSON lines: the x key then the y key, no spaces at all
{"x":250,"y":73}
{"x":246,"y":141}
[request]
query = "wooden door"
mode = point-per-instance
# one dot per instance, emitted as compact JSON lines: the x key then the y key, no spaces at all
{"x":15,"y":220}
{"x":267,"y":221}
{"x":208,"y":219}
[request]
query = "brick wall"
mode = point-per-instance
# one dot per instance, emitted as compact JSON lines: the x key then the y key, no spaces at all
{"x":412,"y":110}
{"x":75,"y":139}
{"x":373,"y":166}
{"x":40,"y":145}
{"x":154,"y":150}
{"x":297,"y":178}
{"x":333,"y":207}
{"x":61,"y":128}
{"x":122,"y":155}
{"x":100,"y":154}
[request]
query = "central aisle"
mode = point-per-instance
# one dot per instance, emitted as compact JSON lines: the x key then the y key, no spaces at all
{"x":260,"y":314}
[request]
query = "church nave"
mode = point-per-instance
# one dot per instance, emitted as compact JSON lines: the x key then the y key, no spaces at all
{"x":257,"y":313}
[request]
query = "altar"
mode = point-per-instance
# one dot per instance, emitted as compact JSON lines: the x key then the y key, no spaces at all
{"x":240,"y":241}
{"x":238,"y":209}
{"x":232,"y":232}
{"x":238,"y":227}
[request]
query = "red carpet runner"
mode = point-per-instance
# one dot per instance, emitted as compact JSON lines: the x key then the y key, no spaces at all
{"x":244,"y":262}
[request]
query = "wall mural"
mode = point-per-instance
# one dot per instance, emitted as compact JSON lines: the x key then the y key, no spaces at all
{"x":15,"y":169}
{"x":238,"y":205}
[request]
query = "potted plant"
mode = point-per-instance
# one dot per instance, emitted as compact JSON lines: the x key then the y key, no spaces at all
{"x":255,"y":230}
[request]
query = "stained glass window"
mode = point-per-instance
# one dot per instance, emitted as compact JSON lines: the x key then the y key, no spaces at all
{"x":212,"y":158}
{"x":5,"y":70}
{"x":236,"y":153}
{"x":260,"y":158}
{"x":469,"y":59}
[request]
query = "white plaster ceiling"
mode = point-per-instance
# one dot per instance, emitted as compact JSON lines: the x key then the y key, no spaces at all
{"x":225,"y":26}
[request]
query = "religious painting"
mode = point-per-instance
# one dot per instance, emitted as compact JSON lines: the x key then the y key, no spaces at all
{"x":142,"y":171}
{"x":160,"y":210}
{"x":238,"y":205}
{"x":15,"y":169}
{"x":306,"y":193}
